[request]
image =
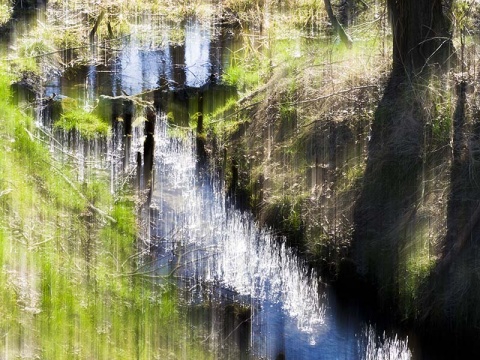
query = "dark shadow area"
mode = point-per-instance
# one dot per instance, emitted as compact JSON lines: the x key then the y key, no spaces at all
{"x":450,"y":313}
{"x":409,"y":163}
{"x":391,"y":187}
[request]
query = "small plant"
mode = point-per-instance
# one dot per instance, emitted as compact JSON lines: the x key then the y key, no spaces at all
{"x":243,"y":6}
{"x":36,"y":52}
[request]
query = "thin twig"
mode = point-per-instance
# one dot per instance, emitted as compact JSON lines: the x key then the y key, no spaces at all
{"x":46,"y":54}
{"x":33,"y":246}
{"x":55,"y":147}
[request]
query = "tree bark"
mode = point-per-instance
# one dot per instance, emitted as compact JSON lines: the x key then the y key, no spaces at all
{"x":421,"y":34}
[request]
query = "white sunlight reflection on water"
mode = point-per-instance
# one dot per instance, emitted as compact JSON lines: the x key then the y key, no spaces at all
{"x":222,"y":245}
{"x":241,"y":256}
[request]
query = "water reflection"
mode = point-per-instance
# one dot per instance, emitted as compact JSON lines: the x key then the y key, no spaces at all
{"x":197,"y":54}
{"x":211,"y":242}
{"x":140,"y":69}
{"x":202,"y":239}
{"x":372,"y":346}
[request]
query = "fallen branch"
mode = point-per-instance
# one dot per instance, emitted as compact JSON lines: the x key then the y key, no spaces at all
{"x":243,"y":108}
{"x":134,"y":98}
{"x":37,"y":244}
{"x":365,"y":5}
{"x":5,"y":192}
{"x":50,"y":136}
{"x":346,"y":39}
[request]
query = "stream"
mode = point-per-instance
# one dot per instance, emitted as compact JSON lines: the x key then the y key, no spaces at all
{"x":222,"y":256}
{"x":243,"y":288}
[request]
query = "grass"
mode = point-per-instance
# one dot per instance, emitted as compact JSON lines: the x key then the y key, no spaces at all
{"x":69,"y":286}
{"x":302,"y":14}
{"x":235,"y":75}
{"x":35,"y":52}
{"x":86,"y":123}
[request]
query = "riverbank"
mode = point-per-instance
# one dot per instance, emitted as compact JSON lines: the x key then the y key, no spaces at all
{"x":297,"y":150}
{"x":72,"y":282}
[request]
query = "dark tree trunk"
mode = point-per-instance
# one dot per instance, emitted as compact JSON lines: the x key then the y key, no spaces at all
{"x":421,"y":34}
{"x":178,"y":58}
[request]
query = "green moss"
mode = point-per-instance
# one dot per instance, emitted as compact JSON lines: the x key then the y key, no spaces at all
{"x":87,"y":124}
{"x":418,"y":262}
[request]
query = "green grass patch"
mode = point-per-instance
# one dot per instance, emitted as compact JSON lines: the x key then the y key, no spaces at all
{"x":71,"y":281}
{"x":351,"y":174}
{"x":418,"y":264}
{"x":237,"y":76}
{"x":86,"y":123}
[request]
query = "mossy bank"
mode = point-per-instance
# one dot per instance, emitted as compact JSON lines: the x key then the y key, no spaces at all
{"x":70,"y":258}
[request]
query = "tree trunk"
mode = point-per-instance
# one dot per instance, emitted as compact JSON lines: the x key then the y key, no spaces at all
{"x":421,"y":35}
{"x":95,"y":26}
